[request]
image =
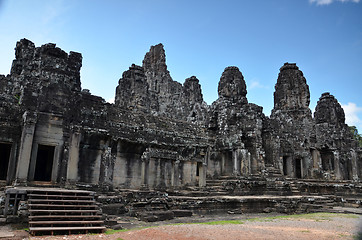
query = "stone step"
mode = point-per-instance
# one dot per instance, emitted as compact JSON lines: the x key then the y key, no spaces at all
{"x":55,"y":206}
{"x":33,"y":230}
{"x":96,"y":222}
{"x":57,"y":196}
{"x":62,"y":217}
{"x":182,"y":213}
{"x":156,"y":216}
{"x":64,"y":201}
{"x":32,"y":211}
{"x":59,"y":210}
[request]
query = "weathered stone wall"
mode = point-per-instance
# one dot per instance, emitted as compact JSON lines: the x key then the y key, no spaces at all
{"x":292,"y":124}
{"x":237,"y":128}
{"x":161,"y":134}
{"x":150,"y":88}
{"x":334,"y":141}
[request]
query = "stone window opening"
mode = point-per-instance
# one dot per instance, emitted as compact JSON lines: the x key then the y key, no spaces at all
{"x":5,"y":150}
{"x":44,"y":163}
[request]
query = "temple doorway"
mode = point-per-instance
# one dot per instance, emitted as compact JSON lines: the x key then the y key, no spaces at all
{"x":285,"y":165}
{"x":5,"y":150}
{"x":44,"y":163}
{"x":298,"y":168}
{"x":327,"y":157}
{"x":227,"y":163}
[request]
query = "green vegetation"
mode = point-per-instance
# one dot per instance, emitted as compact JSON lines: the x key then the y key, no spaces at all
{"x":310,"y":216}
{"x":321,"y":216}
{"x":223,"y":222}
{"x":112,"y":231}
{"x":356,"y":135}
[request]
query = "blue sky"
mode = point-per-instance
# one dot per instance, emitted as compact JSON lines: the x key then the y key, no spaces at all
{"x":201,"y":38}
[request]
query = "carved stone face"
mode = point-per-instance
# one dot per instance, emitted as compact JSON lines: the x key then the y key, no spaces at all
{"x":232,"y":84}
{"x":291,"y":90}
{"x":328,"y":110}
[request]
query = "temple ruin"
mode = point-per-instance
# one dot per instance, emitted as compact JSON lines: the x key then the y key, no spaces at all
{"x":161,"y":135}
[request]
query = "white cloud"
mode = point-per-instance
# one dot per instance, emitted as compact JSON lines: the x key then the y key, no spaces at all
{"x":53,"y":11}
{"x":351,"y":111}
{"x":111,"y":100}
{"x":256,"y":84}
{"x":327,"y":2}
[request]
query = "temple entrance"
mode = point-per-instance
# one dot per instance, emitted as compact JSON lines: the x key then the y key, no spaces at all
{"x":298,"y":168}
{"x":44,"y":163}
{"x":285,"y":165}
{"x":327,"y":157}
{"x":5,"y":149}
{"x":197,"y":170}
{"x":227,"y":163}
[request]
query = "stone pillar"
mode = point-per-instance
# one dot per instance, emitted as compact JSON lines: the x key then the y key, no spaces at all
{"x":119,"y":170}
{"x":316,"y":163}
{"x":289,"y":166}
{"x":223,"y":164}
{"x":106,"y":166}
{"x":26,"y":145}
{"x":177,"y":176}
{"x":337,"y":167}
{"x":145,"y":168}
{"x":254,"y":164}
{"x":236,"y":162}
{"x":173,"y":170}
{"x":202,"y":174}
{"x":72,"y":170}
{"x":12,"y":164}
{"x":354,"y":166}
{"x":245,"y":162}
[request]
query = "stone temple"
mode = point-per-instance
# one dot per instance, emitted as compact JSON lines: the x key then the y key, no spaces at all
{"x":161,"y":135}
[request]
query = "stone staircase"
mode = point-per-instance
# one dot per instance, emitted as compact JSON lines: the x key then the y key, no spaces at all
{"x":63,"y":211}
{"x":294,"y":188}
{"x":317,"y":204}
{"x":217,"y":186}
{"x":271,"y":172}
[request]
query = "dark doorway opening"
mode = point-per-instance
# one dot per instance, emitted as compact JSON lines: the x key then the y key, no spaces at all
{"x":227,"y":164}
{"x":44,"y":163}
{"x":5,"y":150}
{"x":298,"y":168}
{"x":198,"y":168}
{"x":327,"y":160}
{"x":285,"y":165}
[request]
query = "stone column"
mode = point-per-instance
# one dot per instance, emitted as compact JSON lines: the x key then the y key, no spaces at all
{"x":236,"y":162}
{"x":107,"y":166}
{"x":245,"y":163}
{"x":177,"y":177}
{"x":202,"y":174}
{"x":337,"y":167}
{"x":254,"y":164}
{"x":354,"y":173}
{"x":316,"y":163}
{"x":26,"y":145}
{"x":72,"y":170}
{"x":145,"y":168}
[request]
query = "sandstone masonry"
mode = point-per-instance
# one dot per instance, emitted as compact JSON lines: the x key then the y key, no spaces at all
{"x":160,"y":134}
